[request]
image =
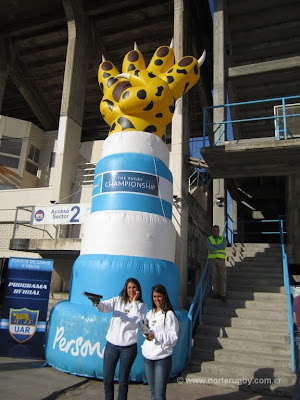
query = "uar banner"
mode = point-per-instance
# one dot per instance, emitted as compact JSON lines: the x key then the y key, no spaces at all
{"x":24,"y":308}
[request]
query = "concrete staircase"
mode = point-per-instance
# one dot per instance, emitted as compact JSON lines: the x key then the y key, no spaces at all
{"x":245,"y":340}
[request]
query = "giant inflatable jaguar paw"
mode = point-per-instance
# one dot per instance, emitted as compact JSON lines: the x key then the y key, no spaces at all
{"x":129,"y":232}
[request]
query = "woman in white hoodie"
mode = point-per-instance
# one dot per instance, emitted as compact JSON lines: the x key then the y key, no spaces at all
{"x":158,"y":346}
{"x":122,"y":335}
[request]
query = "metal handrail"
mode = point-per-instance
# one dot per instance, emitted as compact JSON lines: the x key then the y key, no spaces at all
{"x":84,"y":174}
{"x":255,"y":221}
{"x":275,"y":118}
{"x":286,"y":280}
{"x":198,"y":178}
{"x":193,"y":179}
{"x":28,"y":223}
{"x":193,"y":313}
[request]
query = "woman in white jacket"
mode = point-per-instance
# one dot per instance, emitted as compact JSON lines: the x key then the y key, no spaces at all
{"x":158,"y":346}
{"x":122,"y":335}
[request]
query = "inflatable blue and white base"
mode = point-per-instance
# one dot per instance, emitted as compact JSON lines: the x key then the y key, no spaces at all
{"x":129,"y":233}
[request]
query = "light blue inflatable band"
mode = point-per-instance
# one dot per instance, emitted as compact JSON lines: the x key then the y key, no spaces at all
{"x":105,"y":274}
{"x":131,"y":202}
{"x":134,"y":162}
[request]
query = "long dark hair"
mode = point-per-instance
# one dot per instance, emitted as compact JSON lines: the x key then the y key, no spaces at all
{"x":124,"y":293}
{"x":166,"y":304}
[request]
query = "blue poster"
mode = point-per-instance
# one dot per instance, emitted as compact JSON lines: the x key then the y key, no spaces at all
{"x":24,"y":307}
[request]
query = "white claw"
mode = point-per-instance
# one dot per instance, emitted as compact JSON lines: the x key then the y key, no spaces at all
{"x":135,"y":46}
{"x":202,"y":58}
{"x":172,"y":44}
{"x":124,"y":75}
{"x":103,"y":58}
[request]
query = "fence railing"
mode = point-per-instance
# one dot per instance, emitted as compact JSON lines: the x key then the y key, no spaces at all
{"x":23,"y":217}
{"x":195,"y":311}
{"x":84,"y":174}
{"x":199,"y":177}
{"x":286,"y":280}
{"x":253,"y":227}
{"x":286,"y":118}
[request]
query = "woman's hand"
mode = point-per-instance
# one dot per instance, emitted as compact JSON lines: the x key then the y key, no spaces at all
{"x":137,"y":295}
{"x":149,"y":336}
{"x":94,"y":300}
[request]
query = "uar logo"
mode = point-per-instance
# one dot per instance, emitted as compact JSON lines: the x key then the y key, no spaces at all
{"x":22,"y":323}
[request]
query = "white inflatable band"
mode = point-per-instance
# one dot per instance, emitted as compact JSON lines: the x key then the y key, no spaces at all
{"x":129,"y":233}
{"x":136,"y":142}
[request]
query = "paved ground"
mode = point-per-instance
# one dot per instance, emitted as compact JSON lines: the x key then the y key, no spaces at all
{"x":31,"y":380}
{"x":93,"y":390}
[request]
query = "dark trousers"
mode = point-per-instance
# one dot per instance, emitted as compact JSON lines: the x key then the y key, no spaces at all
{"x":157,"y":372}
{"x":112,"y":355}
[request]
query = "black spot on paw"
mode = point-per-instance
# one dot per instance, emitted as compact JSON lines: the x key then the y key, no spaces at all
{"x":181,"y":71}
{"x":141,"y":94}
{"x":119,"y":89}
{"x":101,"y":86}
{"x":133,"y":56}
{"x":196,"y":69}
{"x":159,"y":91}
{"x":125,"y":95}
{"x":111,"y":81}
{"x":106,"y":66}
{"x":151,"y":75}
{"x":149,"y":106}
{"x":170,"y":70}
{"x":109,"y":103}
{"x":170,"y":79}
{"x":131,"y":67}
{"x":106,"y":75}
{"x":159,"y":115}
{"x":125,"y":123}
{"x":163,"y":51}
{"x":186,"y":86}
{"x":185,"y":61}
{"x":137,"y":72}
{"x":112,"y":127}
{"x":158,"y":62}
{"x":151,"y":129}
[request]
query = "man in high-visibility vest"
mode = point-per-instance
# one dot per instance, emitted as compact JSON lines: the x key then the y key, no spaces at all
{"x":216,"y":246}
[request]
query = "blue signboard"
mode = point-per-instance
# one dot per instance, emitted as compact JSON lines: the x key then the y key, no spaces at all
{"x":24,"y":308}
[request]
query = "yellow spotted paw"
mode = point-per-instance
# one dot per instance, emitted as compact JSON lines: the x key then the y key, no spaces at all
{"x":143,"y":98}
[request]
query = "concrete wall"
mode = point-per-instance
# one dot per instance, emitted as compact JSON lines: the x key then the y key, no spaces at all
{"x":91,"y":150}
{"x":199,"y":228}
{"x":16,"y":128}
{"x":30,"y":135}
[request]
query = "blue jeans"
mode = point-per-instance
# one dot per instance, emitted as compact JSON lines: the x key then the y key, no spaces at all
{"x":112,"y":355}
{"x":297,"y":384}
{"x":157,"y":372}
